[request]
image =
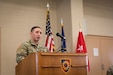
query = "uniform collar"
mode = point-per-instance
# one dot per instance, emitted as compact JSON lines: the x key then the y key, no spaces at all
{"x":32,"y":43}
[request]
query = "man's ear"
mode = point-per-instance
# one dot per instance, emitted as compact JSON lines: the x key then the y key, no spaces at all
{"x":30,"y":33}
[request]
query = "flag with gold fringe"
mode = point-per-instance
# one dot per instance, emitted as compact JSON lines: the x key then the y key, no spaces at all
{"x":63,"y":41}
{"x":49,"y":42}
{"x":81,"y":48}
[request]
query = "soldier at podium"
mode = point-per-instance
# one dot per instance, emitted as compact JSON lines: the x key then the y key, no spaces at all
{"x":31,"y":46}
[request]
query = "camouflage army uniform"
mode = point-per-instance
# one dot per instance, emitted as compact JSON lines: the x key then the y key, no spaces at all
{"x":27,"y":48}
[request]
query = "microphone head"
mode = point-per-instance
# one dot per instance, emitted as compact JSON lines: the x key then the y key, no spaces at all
{"x":57,"y":34}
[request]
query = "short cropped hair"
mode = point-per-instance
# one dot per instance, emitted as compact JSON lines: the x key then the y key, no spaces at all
{"x":34,"y":27}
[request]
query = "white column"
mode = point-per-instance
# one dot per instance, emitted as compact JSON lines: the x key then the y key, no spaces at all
{"x":77,"y":17}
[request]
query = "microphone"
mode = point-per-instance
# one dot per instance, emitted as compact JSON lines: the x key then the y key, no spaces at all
{"x":58,"y":34}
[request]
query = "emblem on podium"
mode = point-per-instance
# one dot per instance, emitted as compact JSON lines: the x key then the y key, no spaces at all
{"x":65,"y":65}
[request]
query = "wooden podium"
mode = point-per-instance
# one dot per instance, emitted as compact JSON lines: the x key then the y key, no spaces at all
{"x":53,"y":64}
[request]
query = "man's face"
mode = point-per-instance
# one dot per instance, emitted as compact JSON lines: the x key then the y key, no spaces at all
{"x":36,"y":34}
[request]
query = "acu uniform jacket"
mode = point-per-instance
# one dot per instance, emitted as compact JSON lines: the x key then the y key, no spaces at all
{"x":27,"y":48}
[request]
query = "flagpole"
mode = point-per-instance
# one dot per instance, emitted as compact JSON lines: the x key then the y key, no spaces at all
{"x":63,"y":41}
{"x":80,"y":27}
{"x":81,"y":47}
{"x":49,"y":42}
{"x":61,"y":22}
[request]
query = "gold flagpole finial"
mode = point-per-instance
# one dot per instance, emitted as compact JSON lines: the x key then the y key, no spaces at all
{"x":61,"y":21}
{"x":47,"y":6}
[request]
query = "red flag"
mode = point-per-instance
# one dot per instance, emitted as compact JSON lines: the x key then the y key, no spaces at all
{"x":81,"y":48}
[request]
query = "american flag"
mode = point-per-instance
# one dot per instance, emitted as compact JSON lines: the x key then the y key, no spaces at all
{"x":49,"y":42}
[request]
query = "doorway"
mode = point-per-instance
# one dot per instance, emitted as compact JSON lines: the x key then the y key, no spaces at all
{"x":100,"y":51}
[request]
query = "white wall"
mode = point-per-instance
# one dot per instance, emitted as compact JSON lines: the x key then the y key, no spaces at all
{"x":99,"y":17}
